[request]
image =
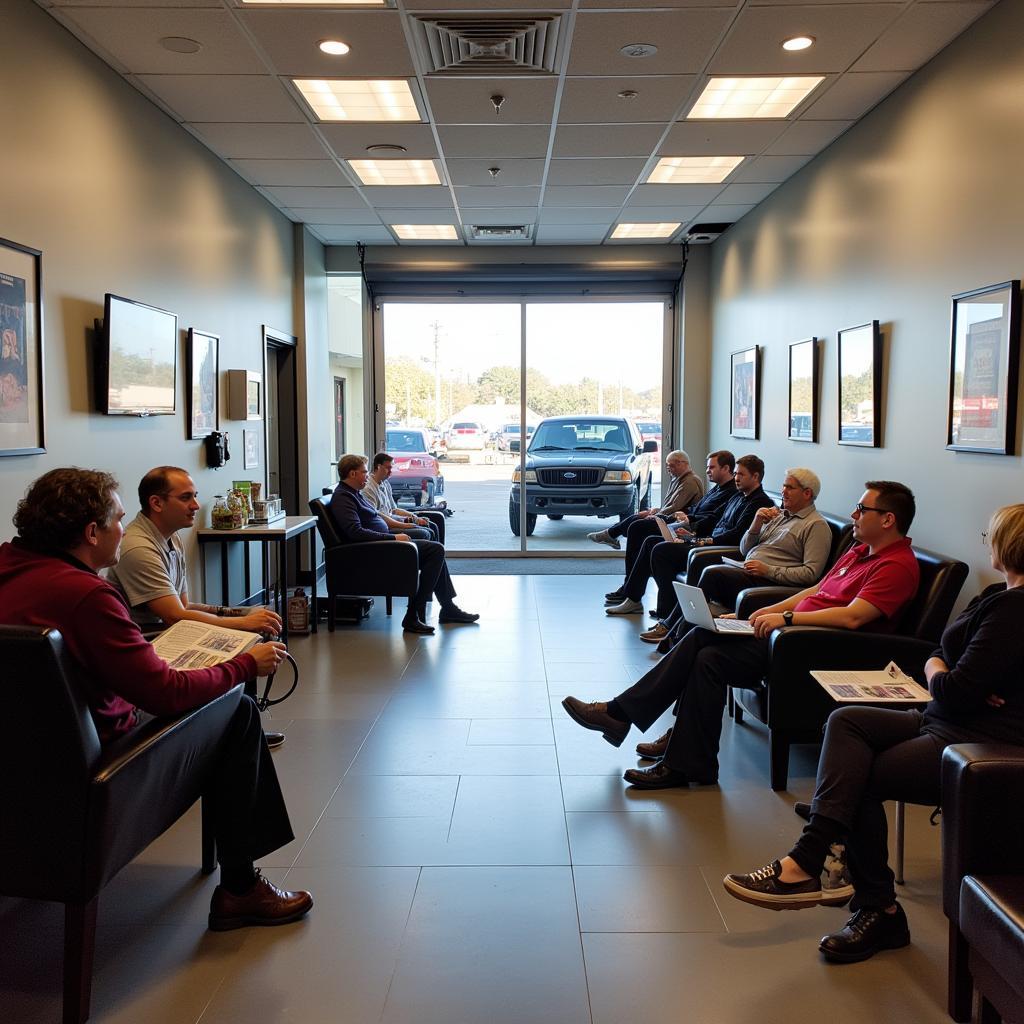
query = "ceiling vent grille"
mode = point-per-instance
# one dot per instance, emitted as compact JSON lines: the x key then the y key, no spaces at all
{"x":500,"y":232}
{"x":489,"y":45}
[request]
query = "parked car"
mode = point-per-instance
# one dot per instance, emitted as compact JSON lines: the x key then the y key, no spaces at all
{"x":583,"y":466}
{"x":416,"y":474}
{"x":466,"y":435}
{"x":650,"y":430}
{"x":509,"y":436}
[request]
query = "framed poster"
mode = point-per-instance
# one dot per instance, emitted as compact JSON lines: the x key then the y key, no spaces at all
{"x":203,"y":383}
{"x":803,"y":390}
{"x":250,"y":449}
{"x":21,"y":350}
{"x":983,"y":365}
{"x":743,"y":411}
{"x":860,"y":386}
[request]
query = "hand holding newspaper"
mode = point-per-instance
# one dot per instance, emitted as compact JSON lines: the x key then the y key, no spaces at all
{"x":888,"y":685}
{"x":189,"y":644}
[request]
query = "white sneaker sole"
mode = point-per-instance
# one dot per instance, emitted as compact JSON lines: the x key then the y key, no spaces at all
{"x":797,"y":901}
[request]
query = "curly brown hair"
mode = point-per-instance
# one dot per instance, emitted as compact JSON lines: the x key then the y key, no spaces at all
{"x":59,"y":506}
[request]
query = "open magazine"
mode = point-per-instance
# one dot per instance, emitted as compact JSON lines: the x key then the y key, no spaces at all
{"x":887,"y":685}
{"x":189,"y":644}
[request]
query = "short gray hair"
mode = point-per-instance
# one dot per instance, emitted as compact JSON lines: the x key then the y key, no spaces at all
{"x":807,"y":479}
{"x":678,"y":454}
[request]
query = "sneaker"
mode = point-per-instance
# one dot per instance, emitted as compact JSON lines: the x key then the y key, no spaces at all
{"x":763,"y":888}
{"x":865,"y":934}
{"x":628,"y":607}
{"x":655,"y":634}
{"x":604,"y":537}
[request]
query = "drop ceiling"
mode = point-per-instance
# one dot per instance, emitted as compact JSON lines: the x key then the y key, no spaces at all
{"x":572,"y":148}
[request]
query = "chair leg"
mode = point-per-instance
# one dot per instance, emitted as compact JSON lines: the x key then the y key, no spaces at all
{"x":387,"y":603}
{"x":901,"y":813}
{"x":332,"y":611}
{"x":778,"y":753}
{"x":730,"y":704}
{"x":79,"y":948}
{"x":987,"y":1013}
{"x":209,"y":839}
{"x":960,"y":990}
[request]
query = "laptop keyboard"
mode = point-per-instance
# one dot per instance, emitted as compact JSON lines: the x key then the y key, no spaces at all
{"x":733,"y":625}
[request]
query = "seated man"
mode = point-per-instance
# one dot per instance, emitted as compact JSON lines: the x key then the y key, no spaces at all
{"x":379,"y":494}
{"x":358,"y":522}
{"x":870,"y":584}
{"x":726,"y":528}
{"x":684,"y":490}
{"x":788,"y":546}
{"x":69,"y":527}
{"x":150,"y":571}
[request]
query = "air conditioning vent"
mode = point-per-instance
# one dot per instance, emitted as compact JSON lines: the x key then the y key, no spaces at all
{"x":504,"y":44}
{"x":500,"y":232}
{"x":706,"y":232}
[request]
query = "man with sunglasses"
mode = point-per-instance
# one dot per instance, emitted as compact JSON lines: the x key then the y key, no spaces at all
{"x":871,"y":583}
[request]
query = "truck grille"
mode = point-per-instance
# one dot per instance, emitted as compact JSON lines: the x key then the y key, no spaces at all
{"x":569,"y":476}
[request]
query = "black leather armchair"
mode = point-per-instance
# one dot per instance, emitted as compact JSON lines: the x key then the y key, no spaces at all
{"x":983,"y":878}
{"x":794,"y":707}
{"x":74,"y":813}
{"x":373,"y":569}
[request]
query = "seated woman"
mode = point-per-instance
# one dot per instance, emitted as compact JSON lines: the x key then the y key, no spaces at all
{"x":870,"y":755}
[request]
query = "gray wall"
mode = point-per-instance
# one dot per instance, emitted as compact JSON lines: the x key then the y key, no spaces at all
{"x":121,"y":199}
{"x":920,"y":200}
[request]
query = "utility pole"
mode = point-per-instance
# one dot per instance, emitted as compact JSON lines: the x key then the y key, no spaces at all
{"x":436,"y":325}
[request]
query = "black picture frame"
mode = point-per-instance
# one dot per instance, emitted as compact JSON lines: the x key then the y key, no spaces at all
{"x":744,"y":382}
{"x":203,"y":388}
{"x":22,"y":393}
{"x":859,"y":419}
{"x":984,"y":363}
{"x":803,"y":391}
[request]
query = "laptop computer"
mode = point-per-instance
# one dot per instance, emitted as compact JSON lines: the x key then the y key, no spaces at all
{"x":696,"y":611}
{"x":671,"y":535}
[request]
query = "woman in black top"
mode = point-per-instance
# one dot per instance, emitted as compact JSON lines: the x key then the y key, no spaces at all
{"x":870,"y":755}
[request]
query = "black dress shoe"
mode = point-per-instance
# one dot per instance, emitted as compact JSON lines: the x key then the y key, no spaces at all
{"x":453,"y":613}
{"x":417,"y":626}
{"x":274,"y":739}
{"x":614,"y":597}
{"x":660,"y":776}
{"x":802,"y":810}
{"x":865,"y":934}
{"x":590,"y":716}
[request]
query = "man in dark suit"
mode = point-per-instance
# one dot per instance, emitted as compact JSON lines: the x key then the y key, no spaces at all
{"x":357,"y":521}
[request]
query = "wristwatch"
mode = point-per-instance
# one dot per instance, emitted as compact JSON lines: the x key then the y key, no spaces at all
{"x":787,"y":618}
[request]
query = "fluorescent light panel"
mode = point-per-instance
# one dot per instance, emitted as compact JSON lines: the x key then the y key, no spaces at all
{"x":349,"y":99}
{"x":426,"y":232}
{"x":753,"y":97}
{"x":318,"y":3}
{"x":396,"y":172}
{"x":693,"y":170}
{"x":645,"y":230}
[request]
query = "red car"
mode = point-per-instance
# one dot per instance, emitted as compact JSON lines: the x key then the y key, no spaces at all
{"x":650,"y":430}
{"x":416,"y":474}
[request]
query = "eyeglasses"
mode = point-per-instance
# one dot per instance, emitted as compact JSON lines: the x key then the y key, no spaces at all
{"x":862,"y":508}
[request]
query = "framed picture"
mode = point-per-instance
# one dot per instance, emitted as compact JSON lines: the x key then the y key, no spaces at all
{"x":21,"y":350}
{"x":860,"y":386}
{"x":983,"y":366}
{"x":803,"y":390}
{"x":250,"y":449}
{"x":203,"y":383}
{"x":743,"y":411}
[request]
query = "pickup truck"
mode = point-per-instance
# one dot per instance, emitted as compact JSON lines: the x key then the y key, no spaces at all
{"x":583,"y":466}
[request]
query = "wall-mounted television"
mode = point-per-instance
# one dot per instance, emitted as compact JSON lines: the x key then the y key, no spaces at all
{"x":136,"y":373}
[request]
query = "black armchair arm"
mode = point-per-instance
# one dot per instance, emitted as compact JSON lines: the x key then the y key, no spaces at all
{"x":752,"y":598}
{"x":701,"y":558}
{"x":382,"y":555}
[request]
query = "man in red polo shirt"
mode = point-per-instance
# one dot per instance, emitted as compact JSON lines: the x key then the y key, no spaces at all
{"x":871,"y":583}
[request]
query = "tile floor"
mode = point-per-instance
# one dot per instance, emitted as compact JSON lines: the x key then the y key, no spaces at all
{"x":476,"y":859}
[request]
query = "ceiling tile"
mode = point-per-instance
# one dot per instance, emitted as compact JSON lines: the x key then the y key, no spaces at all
{"x":468,"y":100}
{"x":428,"y":216}
{"x":471,"y":195}
{"x":807,"y":137}
{"x":842,"y":32}
{"x":586,"y":195}
{"x":606,"y":140}
{"x":349,"y":141}
{"x":133,"y":37}
{"x":290,"y":39}
{"x":513,"y":172}
{"x":417,"y":196}
{"x":487,"y":5}
{"x":596,"y":100}
{"x":768,"y":168}
{"x":673,"y":195}
{"x":579,"y":215}
{"x":684,"y":38}
{"x":741,"y":195}
{"x":224,"y":97}
{"x":233,"y":140}
{"x":853,"y":95}
{"x":728,"y":214}
{"x":597,"y":5}
{"x":571,"y":234}
{"x":324,"y":197}
{"x":291,"y":172}
{"x":720,"y":138}
{"x":316,"y":215}
{"x":922,"y":31}
{"x":594,"y":172}
{"x":493,"y":141}
{"x":340,"y":234}
{"x":502,"y":215}
{"x":658,"y":214}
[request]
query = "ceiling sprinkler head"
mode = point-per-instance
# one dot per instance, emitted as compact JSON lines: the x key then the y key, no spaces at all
{"x":628,"y":94}
{"x":494,"y":171}
{"x":638,"y":50}
{"x":496,"y":101}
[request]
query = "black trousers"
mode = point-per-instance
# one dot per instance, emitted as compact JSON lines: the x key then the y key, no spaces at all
{"x":645,"y":566}
{"x":723,"y":583}
{"x":872,"y":755}
{"x":695,"y":676}
{"x":434,"y":577}
{"x":667,"y":561}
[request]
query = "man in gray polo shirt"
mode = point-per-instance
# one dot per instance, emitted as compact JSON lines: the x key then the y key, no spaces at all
{"x":151,"y":571}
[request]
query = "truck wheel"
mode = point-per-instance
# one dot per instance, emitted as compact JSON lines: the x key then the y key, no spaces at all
{"x":556,"y":519}
{"x":634,"y":506}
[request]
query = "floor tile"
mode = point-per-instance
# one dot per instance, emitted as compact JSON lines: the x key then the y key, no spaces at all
{"x":526,"y":731}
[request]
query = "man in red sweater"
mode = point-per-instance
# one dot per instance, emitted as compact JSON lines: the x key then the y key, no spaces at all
{"x":69,"y":527}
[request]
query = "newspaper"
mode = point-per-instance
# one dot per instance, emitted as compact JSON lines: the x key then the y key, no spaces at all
{"x":189,"y":644}
{"x":889,"y":685}
{"x":736,"y":563}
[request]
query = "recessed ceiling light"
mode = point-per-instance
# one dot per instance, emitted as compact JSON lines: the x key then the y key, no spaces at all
{"x":754,"y":97}
{"x":638,"y":50}
{"x":628,"y":94}
{"x":663,"y":230}
{"x":335,"y":47}
{"x":180,"y":44}
{"x":349,"y":99}
{"x":419,"y":232}
{"x":396,"y":172}
{"x":693,"y":170}
{"x":798,"y":43}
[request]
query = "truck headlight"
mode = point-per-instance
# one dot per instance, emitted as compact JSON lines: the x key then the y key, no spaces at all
{"x":618,"y":476}
{"x":531,"y":476}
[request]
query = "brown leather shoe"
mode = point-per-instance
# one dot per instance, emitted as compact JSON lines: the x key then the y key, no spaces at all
{"x":655,"y":634}
{"x":655,"y":750}
{"x":595,"y":716}
{"x":263,"y":904}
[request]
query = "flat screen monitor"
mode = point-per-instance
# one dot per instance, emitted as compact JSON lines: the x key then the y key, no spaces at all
{"x":140,"y":357}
